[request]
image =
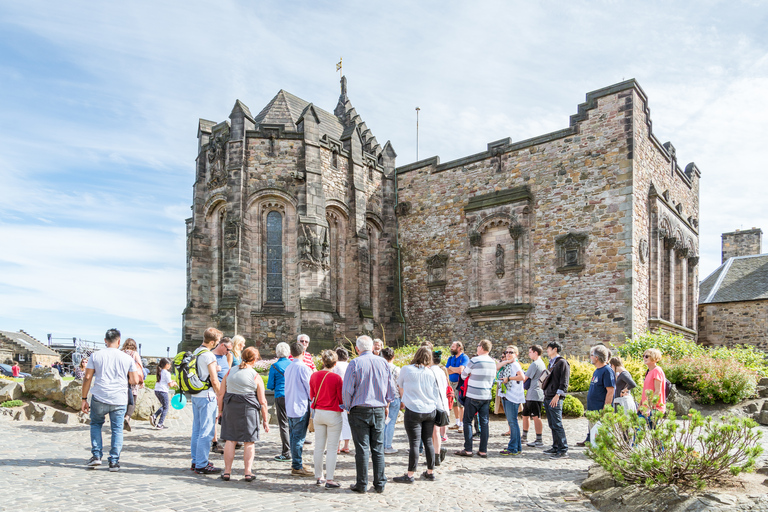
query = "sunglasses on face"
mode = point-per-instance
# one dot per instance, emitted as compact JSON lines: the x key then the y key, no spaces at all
{"x":646,"y":356}
{"x":509,"y":352}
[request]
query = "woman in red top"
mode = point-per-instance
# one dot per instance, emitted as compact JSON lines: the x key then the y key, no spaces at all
{"x":325,"y":393}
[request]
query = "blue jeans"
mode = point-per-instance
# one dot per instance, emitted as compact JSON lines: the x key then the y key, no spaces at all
{"x":510,"y":411}
{"x":204,"y":411}
{"x":555,"y":421}
{"x":163,"y":410}
{"x":99,"y":411}
{"x":482,"y":408}
{"x":298,"y":429}
{"x":389,"y":428}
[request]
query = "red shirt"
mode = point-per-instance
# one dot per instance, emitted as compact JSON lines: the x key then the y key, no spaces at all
{"x":329,"y":396}
{"x":15,"y":369}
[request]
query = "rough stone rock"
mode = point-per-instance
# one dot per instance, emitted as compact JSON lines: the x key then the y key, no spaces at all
{"x":762,"y":418}
{"x":763,"y":381}
{"x":37,"y":412}
{"x":635,"y":498}
{"x":146,"y":404}
{"x":763,"y":392}
{"x":682,"y":401}
{"x":61,"y":417}
{"x":84,"y":418}
{"x":10,"y":390}
{"x":73,"y":395}
{"x":598,"y":479}
{"x":765,"y":406}
{"x":45,"y":383}
{"x":750,"y":409}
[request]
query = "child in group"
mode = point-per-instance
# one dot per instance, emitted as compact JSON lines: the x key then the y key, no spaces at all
{"x":162,"y":390}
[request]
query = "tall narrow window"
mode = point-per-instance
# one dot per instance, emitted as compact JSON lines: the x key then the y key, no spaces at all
{"x":274,"y":257}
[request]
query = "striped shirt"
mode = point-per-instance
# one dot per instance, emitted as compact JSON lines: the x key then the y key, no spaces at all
{"x":481,"y":371}
{"x":368,"y":382}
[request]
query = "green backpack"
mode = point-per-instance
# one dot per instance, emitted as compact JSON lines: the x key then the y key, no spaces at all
{"x":185,"y":364}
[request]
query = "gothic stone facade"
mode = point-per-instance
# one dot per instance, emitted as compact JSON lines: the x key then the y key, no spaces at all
{"x":302,"y":223}
{"x":293,"y":227}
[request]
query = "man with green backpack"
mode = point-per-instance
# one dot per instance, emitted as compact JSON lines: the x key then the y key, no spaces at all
{"x":197,"y":377}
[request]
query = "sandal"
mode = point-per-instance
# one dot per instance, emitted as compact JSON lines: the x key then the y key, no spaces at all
{"x":225,"y":476}
{"x":482,"y":455}
{"x":344,"y":451}
{"x":463,"y":453}
{"x":250,"y":478}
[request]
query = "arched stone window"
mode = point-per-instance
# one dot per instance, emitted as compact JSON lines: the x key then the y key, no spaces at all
{"x":274,"y":257}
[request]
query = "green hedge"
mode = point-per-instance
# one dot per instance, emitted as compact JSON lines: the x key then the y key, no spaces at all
{"x":12,"y":403}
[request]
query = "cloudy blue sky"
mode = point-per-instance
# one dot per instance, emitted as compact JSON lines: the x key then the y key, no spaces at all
{"x":99,"y":103}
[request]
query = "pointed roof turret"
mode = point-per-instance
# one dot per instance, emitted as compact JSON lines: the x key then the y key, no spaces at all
{"x":350,"y":118}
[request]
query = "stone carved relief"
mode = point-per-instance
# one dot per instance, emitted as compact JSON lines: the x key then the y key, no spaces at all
{"x":232,"y":233}
{"x":643,"y":251}
{"x":475,"y":239}
{"x":436,"y":266}
{"x":314,"y":249}
{"x":499,"y":261}
{"x":403,"y":209}
{"x":571,"y":251}
{"x":216,"y":156}
{"x":515,"y":230}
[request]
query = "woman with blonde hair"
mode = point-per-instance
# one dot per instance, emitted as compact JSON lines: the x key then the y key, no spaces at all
{"x":238,"y":344}
{"x":653,"y":400}
{"x":129,"y":347}
{"x":241,"y":398}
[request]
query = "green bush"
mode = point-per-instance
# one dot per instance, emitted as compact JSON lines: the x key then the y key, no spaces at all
{"x":12,"y":403}
{"x":690,"y":453}
{"x":581,"y":375}
{"x":674,"y":346}
{"x":711,"y":380}
{"x":748,"y":356}
{"x":572,"y":407}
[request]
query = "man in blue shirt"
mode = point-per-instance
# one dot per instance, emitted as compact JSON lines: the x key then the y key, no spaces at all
{"x":297,"y":407}
{"x":276,"y":382}
{"x":455,"y":365}
{"x":601,"y":386}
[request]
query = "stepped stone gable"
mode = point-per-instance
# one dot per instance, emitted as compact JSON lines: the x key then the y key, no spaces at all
{"x":302,"y":223}
{"x":293,"y":227}
{"x":556,"y":237}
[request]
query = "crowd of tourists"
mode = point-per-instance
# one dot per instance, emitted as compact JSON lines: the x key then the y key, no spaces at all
{"x":358,"y":399}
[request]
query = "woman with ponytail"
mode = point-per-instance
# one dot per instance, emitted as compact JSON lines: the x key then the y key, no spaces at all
{"x":241,"y":398}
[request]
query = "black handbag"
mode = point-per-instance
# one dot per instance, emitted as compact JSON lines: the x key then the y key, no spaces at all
{"x":442,"y":418}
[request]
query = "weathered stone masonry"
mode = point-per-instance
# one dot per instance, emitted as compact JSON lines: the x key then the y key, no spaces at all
{"x":586,"y":234}
{"x":583,"y":235}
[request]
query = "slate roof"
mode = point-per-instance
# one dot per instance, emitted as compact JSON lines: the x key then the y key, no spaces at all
{"x":26,"y":341}
{"x":286,"y":109}
{"x":738,"y":279}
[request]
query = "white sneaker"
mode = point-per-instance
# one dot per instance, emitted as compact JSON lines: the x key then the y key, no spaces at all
{"x":390,"y":451}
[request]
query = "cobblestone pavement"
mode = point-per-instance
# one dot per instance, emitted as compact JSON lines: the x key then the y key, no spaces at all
{"x":42,"y":468}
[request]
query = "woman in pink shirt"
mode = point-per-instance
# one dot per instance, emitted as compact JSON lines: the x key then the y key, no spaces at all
{"x":653,"y":386}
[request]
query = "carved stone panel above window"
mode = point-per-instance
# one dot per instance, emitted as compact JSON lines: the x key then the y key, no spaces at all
{"x":571,"y":252}
{"x":436,"y":270}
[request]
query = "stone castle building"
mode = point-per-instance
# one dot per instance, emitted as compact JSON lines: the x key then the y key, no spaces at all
{"x":303,"y":223}
{"x":733,"y":300}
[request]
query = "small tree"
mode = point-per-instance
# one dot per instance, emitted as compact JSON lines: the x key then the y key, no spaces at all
{"x":690,"y":453}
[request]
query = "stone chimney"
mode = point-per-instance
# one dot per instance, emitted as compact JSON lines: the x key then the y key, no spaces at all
{"x":742,"y":243}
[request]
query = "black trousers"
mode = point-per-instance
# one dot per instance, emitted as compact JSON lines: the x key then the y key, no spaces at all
{"x":419,"y":428}
{"x":367,"y":426}
{"x":282,"y":423}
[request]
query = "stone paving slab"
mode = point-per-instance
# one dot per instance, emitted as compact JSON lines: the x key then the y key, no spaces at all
{"x":43,"y":469}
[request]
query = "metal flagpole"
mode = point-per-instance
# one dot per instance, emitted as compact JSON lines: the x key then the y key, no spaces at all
{"x":417,"y":133}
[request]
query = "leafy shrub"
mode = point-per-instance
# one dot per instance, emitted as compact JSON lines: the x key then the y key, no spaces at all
{"x":12,"y":403}
{"x":690,"y":453}
{"x":673,"y":346}
{"x":748,"y":356}
{"x":710,"y":380}
{"x":572,"y":407}
{"x":581,"y":375}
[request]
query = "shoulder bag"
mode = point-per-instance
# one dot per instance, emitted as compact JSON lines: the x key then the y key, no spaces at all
{"x":442,"y":418}
{"x":314,"y":400}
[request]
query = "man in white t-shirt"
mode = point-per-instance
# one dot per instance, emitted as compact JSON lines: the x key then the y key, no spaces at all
{"x":111,"y":371}
{"x":204,"y":405}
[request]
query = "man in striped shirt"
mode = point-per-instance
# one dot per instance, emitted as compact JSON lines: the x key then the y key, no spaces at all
{"x":479,"y":374}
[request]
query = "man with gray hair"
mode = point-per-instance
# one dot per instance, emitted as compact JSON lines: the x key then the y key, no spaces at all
{"x":601,"y":386}
{"x":368,"y":389}
{"x":276,"y":382}
{"x":304,"y":340}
